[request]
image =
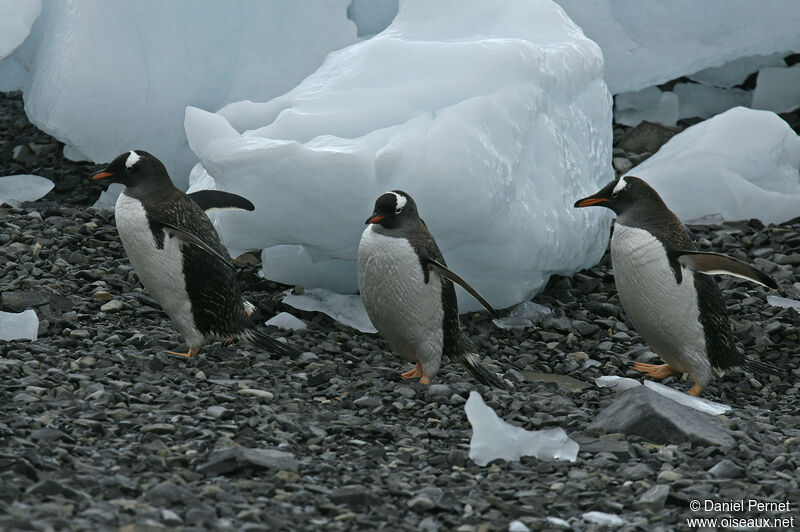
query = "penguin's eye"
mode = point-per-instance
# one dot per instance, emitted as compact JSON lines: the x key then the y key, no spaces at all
{"x":398,"y":210}
{"x":129,"y":169}
{"x":615,"y":194}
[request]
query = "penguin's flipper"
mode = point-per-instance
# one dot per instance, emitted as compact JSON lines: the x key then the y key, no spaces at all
{"x":472,"y":363}
{"x":268,"y":343}
{"x":444,"y":271}
{"x":190,"y":238}
{"x":219,"y":200}
{"x":760,"y":367}
{"x":715,"y":263}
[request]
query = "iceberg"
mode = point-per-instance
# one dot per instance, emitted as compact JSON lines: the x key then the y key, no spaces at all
{"x":740,"y":164}
{"x":649,"y":42}
{"x":16,"y":19}
{"x":346,"y":309}
{"x":493,"y":438}
{"x":494,"y":116}
{"x":106,"y":77}
{"x":16,"y":189}
{"x":736,"y":71}
{"x":19,"y":326}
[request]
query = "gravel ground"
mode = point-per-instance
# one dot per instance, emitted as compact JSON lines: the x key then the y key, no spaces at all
{"x":100,"y":429}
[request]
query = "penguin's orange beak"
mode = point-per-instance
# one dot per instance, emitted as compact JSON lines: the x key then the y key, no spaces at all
{"x":375,"y":218}
{"x":102,"y":175}
{"x":588,"y":202}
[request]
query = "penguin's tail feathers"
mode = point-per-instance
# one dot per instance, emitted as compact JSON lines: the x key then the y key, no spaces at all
{"x":268,"y":343}
{"x":472,"y":363}
{"x":761,"y":368}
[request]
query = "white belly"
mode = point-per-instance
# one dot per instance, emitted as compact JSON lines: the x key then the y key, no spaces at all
{"x":159,"y":270}
{"x":664,"y":312}
{"x":407,"y":312}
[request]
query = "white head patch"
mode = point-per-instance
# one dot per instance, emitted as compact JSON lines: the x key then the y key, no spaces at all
{"x":622,"y":184}
{"x":401,"y":201}
{"x":132,"y":159}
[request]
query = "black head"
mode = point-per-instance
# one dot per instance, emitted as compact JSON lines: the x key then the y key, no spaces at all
{"x":394,"y":209}
{"x":627,"y":196}
{"x":136,"y":169}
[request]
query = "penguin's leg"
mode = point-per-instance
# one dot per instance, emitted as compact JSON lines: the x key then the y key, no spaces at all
{"x":412,"y":374}
{"x":661,"y":371}
{"x":696,"y":390}
{"x":192,"y":352}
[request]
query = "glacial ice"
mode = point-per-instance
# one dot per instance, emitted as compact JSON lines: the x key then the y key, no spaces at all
{"x":19,"y":326}
{"x":777,"y":89}
{"x":284,"y":320}
{"x":493,"y":116}
{"x":695,"y":100}
{"x":493,"y":438}
{"x":16,"y":19}
{"x":646,"y":43}
{"x":110,"y":76}
{"x":620,"y":384}
{"x":15,"y":189}
{"x":777,"y":301}
{"x":647,"y":104}
{"x":740,"y":164}
{"x":346,"y":309}
{"x":526,"y":314}
{"x":604,"y":519}
{"x":735,"y":72}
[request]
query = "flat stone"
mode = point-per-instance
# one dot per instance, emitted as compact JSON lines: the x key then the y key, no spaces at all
{"x":159,"y":428}
{"x":726,"y":469}
{"x":647,"y":137}
{"x":112,"y":306}
{"x":563,"y":381}
{"x":233,"y":459}
{"x":354,"y":496}
{"x":645,"y":413}
{"x":653,"y":499}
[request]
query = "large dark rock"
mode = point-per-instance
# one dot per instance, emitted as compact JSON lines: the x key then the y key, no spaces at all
{"x":645,"y":413}
{"x":647,"y":137}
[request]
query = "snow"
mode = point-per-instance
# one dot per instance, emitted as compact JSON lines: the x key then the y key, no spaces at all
{"x":19,"y":326}
{"x":105,"y":87}
{"x":777,"y":89}
{"x":286,"y":321}
{"x":604,"y":519}
{"x":620,"y":384}
{"x":15,"y":189}
{"x":526,"y":314}
{"x":777,"y":301}
{"x":16,"y":19}
{"x":740,"y":164}
{"x":499,"y":106}
{"x":493,"y":438}
{"x":649,"y":42}
{"x":346,"y":309}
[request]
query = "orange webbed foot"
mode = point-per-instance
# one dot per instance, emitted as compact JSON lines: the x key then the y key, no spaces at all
{"x":661,"y":371}
{"x":413,"y":373}
{"x":191,"y":353}
{"x":696,"y":390}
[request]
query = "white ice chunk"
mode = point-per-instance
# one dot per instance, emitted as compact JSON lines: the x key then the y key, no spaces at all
{"x":702,"y":101}
{"x":557,"y":521}
{"x":526,"y":314}
{"x":736,"y":72}
{"x":741,"y":164}
{"x":620,"y":384}
{"x":604,"y":519}
{"x":372,"y":16}
{"x":19,"y":326}
{"x":649,"y":104}
{"x":494,"y":438}
{"x":518,"y":526}
{"x":16,"y":19}
{"x":777,"y":89}
{"x":346,"y":309}
{"x":783,"y":302}
{"x":286,"y":321}
{"x":15,"y":189}
{"x":73,"y":155}
{"x":648,"y":42}
{"x":510,"y":125}
{"x":110,"y":76}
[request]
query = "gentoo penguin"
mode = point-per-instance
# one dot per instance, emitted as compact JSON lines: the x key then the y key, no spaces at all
{"x":408,"y":292}
{"x":178,"y":255}
{"x":663,"y":284}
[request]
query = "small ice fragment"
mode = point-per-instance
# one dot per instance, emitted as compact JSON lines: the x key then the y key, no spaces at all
{"x":346,"y":309}
{"x":558,"y":522}
{"x":776,"y":89}
{"x":15,"y":189}
{"x":604,"y":519}
{"x":526,"y":314}
{"x":698,"y":403}
{"x":777,"y":301}
{"x":620,"y":384}
{"x":494,"y":438}
{"x":518,"y":526}
{"x":19,"y":326}
{"x":108,"y":197}
{"x":286,"y":321}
